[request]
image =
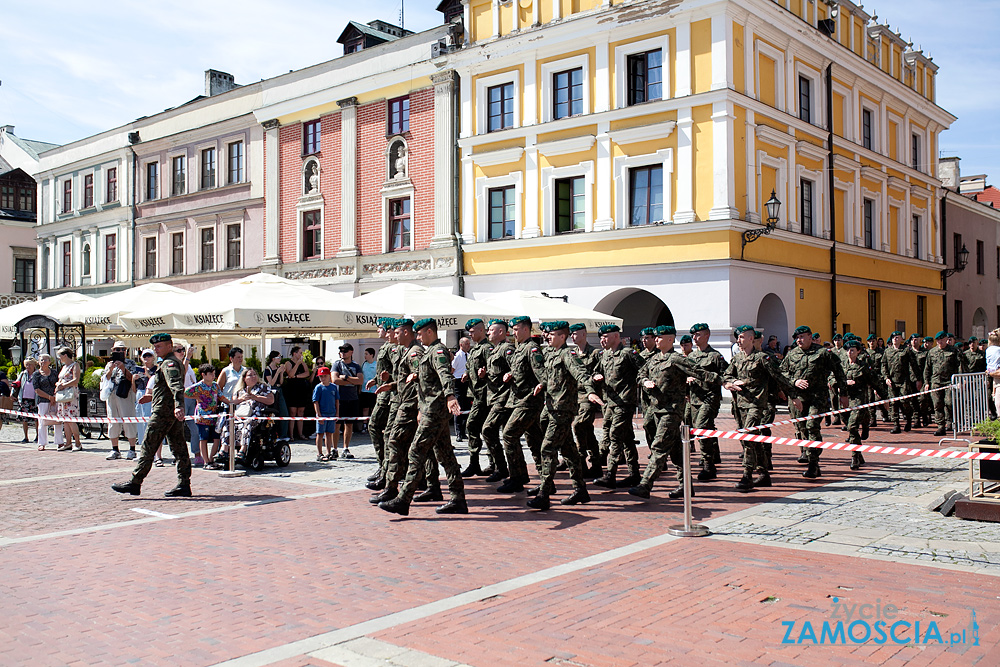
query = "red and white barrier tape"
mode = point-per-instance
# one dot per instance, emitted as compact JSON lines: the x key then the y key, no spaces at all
{"x":874,"y":449}
{"x":140,"y":420}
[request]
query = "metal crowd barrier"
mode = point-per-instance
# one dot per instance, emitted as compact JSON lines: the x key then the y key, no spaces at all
{"x":970,"y":397}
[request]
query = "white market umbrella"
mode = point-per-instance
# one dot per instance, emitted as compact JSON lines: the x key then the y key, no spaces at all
{"x":450,"y":310}
{"x":258,"y":303}
{"x":57,"y":307}
{"x":543,"y":309}
{"x":102,"y":313}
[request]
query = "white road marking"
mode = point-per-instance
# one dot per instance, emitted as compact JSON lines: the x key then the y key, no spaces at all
{"x":143,"y":510}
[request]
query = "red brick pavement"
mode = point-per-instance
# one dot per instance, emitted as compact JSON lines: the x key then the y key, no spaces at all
{"x":210,"y":587}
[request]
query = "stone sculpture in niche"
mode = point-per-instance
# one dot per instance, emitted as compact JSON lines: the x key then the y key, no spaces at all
{"x":398,"y":161}
{"x":312,"y":178}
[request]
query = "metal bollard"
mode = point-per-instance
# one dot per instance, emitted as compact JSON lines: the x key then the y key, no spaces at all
{"x":687,"y":529}
{"x":232,"y":472}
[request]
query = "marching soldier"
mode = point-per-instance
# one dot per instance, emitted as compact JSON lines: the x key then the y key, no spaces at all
{"x":583,"y":423}
{"x":617,"y":377}
{"x":838,"y":349}
{"x":526,"y":365}
{"x":648,"y":338}
{"x":859,"y":381}
{"x":475,"y":375}
{"x":809,"y":366}
{"x":942,"y":362}
{"x":378,"y":421}
{"x":704,"y":398}
{"x":975,"y":359}
{"x":166,"y":421}
{"x":497,"y":397}
{"x":436,"y":388}
{"x":902,"y":377}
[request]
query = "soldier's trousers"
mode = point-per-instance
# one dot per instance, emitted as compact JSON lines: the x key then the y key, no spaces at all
{"x":622,"y":436}
{"x":523,"y":421}
{"x":433,"y":434}
{"x":666,"y":444}
{"x":857,"y":420}
{"x":605,"y":446}
{"x":493,"y":425}
{"x":895,"y":407}
{"x":755,"y":456}
{"x":703,"y":416}
{"x":397,"y":445}
{"x":649,"y":426}
{"x":583,"y":429}
{"x":559,"y":439}
{"x":175,"y":431}
{"x":810,"y":429}
{"x":377,"y":424}
{"x":941,"y":400}
{"x":735,"y":411}
{"x":474,"y":427}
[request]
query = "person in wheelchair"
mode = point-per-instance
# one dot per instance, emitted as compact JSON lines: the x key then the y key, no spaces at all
{"x":251,"y":397}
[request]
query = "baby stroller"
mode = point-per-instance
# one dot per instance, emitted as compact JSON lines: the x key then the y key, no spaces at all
{"x":262,"y":444}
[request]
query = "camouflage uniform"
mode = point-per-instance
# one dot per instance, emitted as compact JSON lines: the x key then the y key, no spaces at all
{"x":814,"y":365}
{"x":921,"y":404}
{"x":648,"y":421}
{"x":168,"y":393}
{"x":477,"y":358}
{"x":404,"y":423}
{"x":583,"y":422}
{"x":379,"y":419}
{"x":858,"y":394}
{"x":760,"y":376}
{"x":705,"y":399}
{"x":878,"y":387}
{"x":497,"y":396}
{"x":940,"y":365}
{"x":527,"y":364}
{"x":899,"y":366}
{"x":620,"y":368}
{"x":435,"y":384}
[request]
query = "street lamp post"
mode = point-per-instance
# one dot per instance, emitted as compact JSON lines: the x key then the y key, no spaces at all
{"x":773,"y":206}
{"x":961,"y":261}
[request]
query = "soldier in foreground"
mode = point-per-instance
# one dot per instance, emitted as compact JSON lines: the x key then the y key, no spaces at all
{"x":475,"y":376}
{"x":616,"y":377}
{"x":902,"y":377}
{"x":942,"y":362}
{"x":583,"y":423}
{"x":705,"y":398}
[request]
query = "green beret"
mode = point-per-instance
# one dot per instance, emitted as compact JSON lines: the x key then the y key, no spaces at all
{"x":403,"y":322}
{"x":473,"y":322}
{"x":427,"y":321}
{"x":701,"y":326}
{"x":838,"y":337}
{"x":758,"y":334}
{"x":973,"y":339}
{"x":914,"y":335}
{"x":665,"y":330}
{"x":740,"y":329}
{"x":579,"y":326}
{"x":497,"y":320}
{"x":520,"y":319}
{"x":801,"y":330}
{"x":608,"y":328}
{"x":870,"y":337}
{"x":816,"y":336}
{"x":852,"y":344}
{"x":928,"y":339}
{"x":159,"y":338}
{"x":686,"y":339}
{"x":895,"y":333}
{"x":648,"y":331}
{"x":556,"y":325}
{"x":940,"y":334}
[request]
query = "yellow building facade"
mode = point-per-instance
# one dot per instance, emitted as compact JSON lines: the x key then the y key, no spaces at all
{"x":616,"y":152}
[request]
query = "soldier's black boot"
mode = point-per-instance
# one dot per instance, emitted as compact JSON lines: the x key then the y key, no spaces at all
{"x":389,"y":494}
{"x":909,"y":424}
{"x":864,"y":431}
{"x":454,"y":506}
{"x":632,"y":479}
{"x":856,"y":460}
{"x":539,"y":502}
{"x":579,"y":496}
{"x":895,"y":429}
{"x":498,"y":475}
{"x":716,"y":455}
{"x":543,"y":489}
{"x":812,"y":472}
{"x":593,"y":471}
{"x":826,"y":421}
{"x":607,"y":481}
{"x":640,"y":490}
{"x":803,"y":455}
{"x":397,"y":506}
{"x":473,"y":469}
{"x":180,"y":491}
{"x":511,"y":485}
{"x":707,"y":472}
{"x":763,"y":479}
{"x":433,"y":494}
{"x":129,"y":487}
{"x":376,"y":484}
{"x":746,"y":483}
{"x":941,"y":431}
{"x":767,"y":454}
{"x":679,"y":492}
{"x":374,"y":476}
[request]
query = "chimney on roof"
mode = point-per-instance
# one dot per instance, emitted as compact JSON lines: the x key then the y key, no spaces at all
{"x":976,"y":183}
{"x":217,"y":82}
{"x":949,"y":172}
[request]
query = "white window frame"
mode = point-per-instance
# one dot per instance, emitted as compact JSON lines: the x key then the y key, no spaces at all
{"x":876,"y":126}
{"x":549,"y":70}
{"x":299,"y":211}
{"x":156,"y":255}
{"x":187,"y":171}
{"x":817,"y":112}
{"x":763,"y":48}
{"x":877,"y":209}
{"x":60,"y":210}
{"x":199,"y":227}
{"x":819,"y":229}
{"x":183,"y":231}
{"x":483,"y":186}
{"x":196,"y":171}
{"x":102,"y":272}
{"x":144,"y":175}
{"x":225,"y":143}
{"x":549,"y":177}
{"x":921,"y":232}
{"x":919,"y":135}
{"x":623,"y":165}
{"x":389,"y":194}
{"x":483,"y":84}
{"x":621,"y":67}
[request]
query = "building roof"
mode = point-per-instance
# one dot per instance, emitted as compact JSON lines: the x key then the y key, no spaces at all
{"x":369,"y":31}
{"x":30,"y":146}
{"x":4,"y":166}
{"x":989,"y":196}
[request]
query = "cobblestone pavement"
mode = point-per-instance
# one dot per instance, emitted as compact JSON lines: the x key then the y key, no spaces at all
{"x":293,"y":567}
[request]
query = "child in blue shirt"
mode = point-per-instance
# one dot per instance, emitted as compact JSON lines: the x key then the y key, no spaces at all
{"x":326,"y":403}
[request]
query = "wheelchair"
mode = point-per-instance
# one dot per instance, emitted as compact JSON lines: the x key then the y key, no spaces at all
{"x":264,"y":445}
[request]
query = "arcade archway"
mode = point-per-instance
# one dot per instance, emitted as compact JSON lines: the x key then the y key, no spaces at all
{"x":772,"y":318}
{"x":638,"y":308}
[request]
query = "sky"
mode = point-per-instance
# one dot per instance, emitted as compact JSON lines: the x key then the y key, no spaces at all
{"x":72,"y":69}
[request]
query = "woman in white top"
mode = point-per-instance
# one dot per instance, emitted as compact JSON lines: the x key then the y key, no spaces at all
{"x":231,"y":374}
{"x":26,"y":395}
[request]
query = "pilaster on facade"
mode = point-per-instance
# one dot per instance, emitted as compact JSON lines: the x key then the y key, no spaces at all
{"x":532,"y":228}
{"x":444,"y":159}
{"x":682,"y":65}
{"x":723,"y":159}
{"x":349,"y":177}
{"x":685,"y":165}
{"x":722,"y":51}
{"x":272,"y":192}
{"x":604,"y":217}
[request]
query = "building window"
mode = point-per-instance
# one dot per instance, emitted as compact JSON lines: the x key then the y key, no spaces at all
{"x":869,"y":223}
{"x":500,"y":113}
{"x":958,"y":318}
{"x":956,"y":247}
{"x":177,"y":253}
{"x":236,"y":162}
{"x":88,"y":190}
{"x":208,"y":168}
{"x":110,"y":258}
{"x":152,"y":180}
{"x":86,"y":260}
{"x":207,"y":249}
{"x":112,"y":185}
{"x":570,"y":202}
{"x":806,"y":206}
{"x":26,"y":196}
{"x":67,"y":268}
{"x":502,"y":213}
{"x":980,"y":258}
{"x":866,"y":128}
{"x":7,"y":196}
{"x":921,"y":315}
{"x":567,"y":93}
{"x":399,"y":115}
{"x":645,"y":77}
{"x":872,"y":311}
{"x":234,"y":235}
{"x":399,"y":224}
{"x":805,"y":99}
{"x":646,"y":195}
{"x":310,"y":137}
{"x":67,"y":203}
{"x":179,"y":180}
{"x":24,"y":276}
{"x":312,"y":235}
{"x":916,"y":237}
{"x":915,"y":151}
{"x":150,"y":257}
